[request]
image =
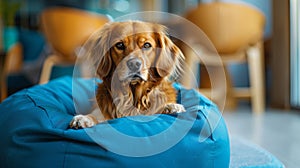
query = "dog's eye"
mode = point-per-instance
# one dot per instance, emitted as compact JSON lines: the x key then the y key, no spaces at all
{"x":147,"y":45}
{"x":120,"y":46}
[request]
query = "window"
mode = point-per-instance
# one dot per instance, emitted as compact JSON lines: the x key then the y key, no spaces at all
{"x":295,"y":53}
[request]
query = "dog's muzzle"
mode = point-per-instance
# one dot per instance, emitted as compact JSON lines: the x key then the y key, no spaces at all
{"x":134,"y":65}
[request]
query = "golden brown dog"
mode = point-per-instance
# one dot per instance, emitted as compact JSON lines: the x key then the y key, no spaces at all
{"x":135,"y":61}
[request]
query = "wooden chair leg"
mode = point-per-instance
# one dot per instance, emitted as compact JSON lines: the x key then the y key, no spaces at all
{"x":231,"y":102}
{"x":12,"y":62}
{"x":190,"y":67}
{"x":221,"y":88}
{"x":3,"y":89}
{"x":47,"y":68}
{"x":221,"y":91}
{"x":50,"y":62}
{"x":256,"y":72}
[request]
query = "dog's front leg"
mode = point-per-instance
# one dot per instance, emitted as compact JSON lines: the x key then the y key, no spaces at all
{"x":89,"y":120}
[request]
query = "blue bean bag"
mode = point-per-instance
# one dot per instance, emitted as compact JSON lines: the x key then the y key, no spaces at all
{"x":35,"y":133}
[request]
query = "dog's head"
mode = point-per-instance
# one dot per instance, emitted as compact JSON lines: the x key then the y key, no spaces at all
{"x":135,"y":51}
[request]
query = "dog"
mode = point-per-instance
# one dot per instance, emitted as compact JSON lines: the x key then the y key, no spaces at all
{"x":135,"y":61}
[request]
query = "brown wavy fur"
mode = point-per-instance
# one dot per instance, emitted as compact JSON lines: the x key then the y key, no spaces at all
{"x":117,"y":98}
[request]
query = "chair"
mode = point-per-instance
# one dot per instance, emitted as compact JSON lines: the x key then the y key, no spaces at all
{"x":66,"y":29}
{"x":12,"y":63}
{"x":236,"y":31}
{"x":20,"y":65}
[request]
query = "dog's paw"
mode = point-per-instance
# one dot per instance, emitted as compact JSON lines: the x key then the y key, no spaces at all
{"x":82,"y":121}
{"x":174,"y":108}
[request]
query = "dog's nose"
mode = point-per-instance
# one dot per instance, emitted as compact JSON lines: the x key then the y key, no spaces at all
{"x":134,"y":64}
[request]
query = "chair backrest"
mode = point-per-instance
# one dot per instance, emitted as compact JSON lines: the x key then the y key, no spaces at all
{"x":68,"y":28}
{"x":229,"y":26}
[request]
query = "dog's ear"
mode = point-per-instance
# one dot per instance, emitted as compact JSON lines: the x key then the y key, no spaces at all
{"x":105,"y":64}
{"x":169,"y":57}
{"x":99,"y":54}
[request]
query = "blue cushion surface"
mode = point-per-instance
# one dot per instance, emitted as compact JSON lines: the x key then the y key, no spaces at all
{"x":35,"y":133}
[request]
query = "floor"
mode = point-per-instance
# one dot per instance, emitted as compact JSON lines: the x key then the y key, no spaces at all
{"x":277,"y":131}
